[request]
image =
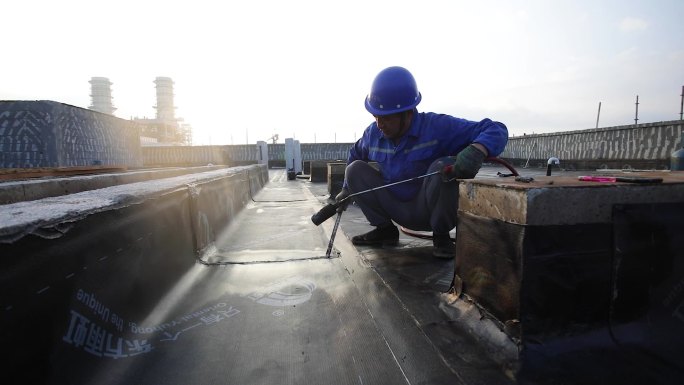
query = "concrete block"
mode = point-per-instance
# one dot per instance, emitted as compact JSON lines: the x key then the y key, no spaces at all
{"x":563,"y":200}
{"x":318,"y":171}
{"x":542,"y":258}
{"x":335,"y":177}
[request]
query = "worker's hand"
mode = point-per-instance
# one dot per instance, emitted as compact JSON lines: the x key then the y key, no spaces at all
{"x":446,"y":168}
{"x":465,"y":165}
{"x":341,"y":196}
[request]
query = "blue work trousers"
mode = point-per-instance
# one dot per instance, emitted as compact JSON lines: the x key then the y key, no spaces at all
{"x":434,"y":208}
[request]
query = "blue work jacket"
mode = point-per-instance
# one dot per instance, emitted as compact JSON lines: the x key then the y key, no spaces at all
{"x":431,"y":136}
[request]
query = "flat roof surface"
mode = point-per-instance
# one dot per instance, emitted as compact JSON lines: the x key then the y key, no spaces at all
{"x":266,"y":306}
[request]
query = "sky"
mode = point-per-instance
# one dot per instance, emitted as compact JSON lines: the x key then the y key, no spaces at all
{"x":246,"y":70}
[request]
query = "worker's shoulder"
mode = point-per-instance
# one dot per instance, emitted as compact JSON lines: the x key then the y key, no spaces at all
{"x":437,"y":118}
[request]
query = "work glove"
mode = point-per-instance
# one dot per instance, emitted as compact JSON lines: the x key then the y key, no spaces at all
{"x":465,"y":165}
{"x":342,"y":195}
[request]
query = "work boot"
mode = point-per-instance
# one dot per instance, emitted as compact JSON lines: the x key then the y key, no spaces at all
{"x":443,"y":247}
{"x":380,"y":236}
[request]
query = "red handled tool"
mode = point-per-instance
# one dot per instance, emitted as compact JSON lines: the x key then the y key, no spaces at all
{"x":613,"y":179}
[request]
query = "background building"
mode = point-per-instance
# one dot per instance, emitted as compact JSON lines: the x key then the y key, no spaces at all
{"x":101,"y":95}
{"x":166,"y":128}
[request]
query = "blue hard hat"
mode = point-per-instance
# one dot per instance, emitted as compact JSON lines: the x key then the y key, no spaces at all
{"x":394,"y":90}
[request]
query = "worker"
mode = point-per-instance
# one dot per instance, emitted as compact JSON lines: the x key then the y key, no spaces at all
{"x":404,"y":143}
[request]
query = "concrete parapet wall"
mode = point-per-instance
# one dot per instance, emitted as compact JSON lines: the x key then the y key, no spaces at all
{"x":101,"y":256}
{"x":200,"y":155}
{"x":39,"y":188}
{"x":310,"y":151}
{"x":326,"y":151}
{"x":22,"y":219}
{"x":238,"y":154}
{"x":50,"y":134}
{"x":647,"y":145}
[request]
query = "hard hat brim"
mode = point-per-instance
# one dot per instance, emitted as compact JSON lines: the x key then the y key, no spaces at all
{"x":389,"y":111}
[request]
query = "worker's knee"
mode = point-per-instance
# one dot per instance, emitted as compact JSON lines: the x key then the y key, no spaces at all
{"x":357,"y":168}
{"x":360,"y":176}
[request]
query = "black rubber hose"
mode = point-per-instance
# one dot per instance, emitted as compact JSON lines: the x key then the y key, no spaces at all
{"x":503,"y":163}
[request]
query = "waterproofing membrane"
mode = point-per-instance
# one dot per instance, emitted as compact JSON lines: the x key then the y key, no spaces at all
{"x":280,"y":213}
{"x":410,"y":274}
{"x":65,"y":298}
{"x":176,"y":289}
{"x":647,"y":314}
{"x":122,"y":298}
{"x":258,"y":324}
